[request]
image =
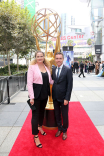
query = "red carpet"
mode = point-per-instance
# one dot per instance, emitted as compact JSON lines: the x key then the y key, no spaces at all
{"x":83,"y":138}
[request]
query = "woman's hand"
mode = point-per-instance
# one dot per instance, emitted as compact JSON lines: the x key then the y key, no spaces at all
{"x":32,"y":101}
{"x":66,"y":102}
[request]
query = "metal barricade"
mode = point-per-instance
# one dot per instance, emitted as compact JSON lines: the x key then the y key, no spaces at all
{"x":25,"y":81}
{"x":16,"y":82}
{"x":11,"y":85}
{"x":3,"y":90}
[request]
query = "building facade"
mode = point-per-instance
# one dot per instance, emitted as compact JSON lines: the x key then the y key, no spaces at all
{"x":97,"y":24}
{"x":79,"y":42}
{"x":66,"y":21}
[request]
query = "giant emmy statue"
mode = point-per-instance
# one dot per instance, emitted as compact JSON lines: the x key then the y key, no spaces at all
{"x":48,"y":24}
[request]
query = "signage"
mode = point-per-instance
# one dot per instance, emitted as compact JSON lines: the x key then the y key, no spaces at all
{"x":67,"y":48}
{"x":98,"y":49}
{"x":70,"y":37}
{"x":30,"y":4}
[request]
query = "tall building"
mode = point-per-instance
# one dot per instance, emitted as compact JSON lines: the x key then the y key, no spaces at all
{"x":72,"y":20}
{"x":20,"y":2}
{"x":63,"y":21}
{"x":45,"y":25}
{"x":66,"y":20}
{"x":97,"y":24}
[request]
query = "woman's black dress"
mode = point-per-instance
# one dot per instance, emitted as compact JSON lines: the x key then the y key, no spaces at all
{"x":45,"y":87}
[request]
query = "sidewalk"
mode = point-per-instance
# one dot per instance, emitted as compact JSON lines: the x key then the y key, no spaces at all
{"x":89,"y":91}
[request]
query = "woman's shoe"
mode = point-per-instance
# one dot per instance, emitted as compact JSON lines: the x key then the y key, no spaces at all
{"x":39,"y":145}
{"x":44,"y":133}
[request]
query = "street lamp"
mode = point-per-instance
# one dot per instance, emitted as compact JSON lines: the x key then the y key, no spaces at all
{"x":36,"y":4}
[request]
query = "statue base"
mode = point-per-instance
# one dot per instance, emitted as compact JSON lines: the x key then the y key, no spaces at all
{"x":49,"y":121}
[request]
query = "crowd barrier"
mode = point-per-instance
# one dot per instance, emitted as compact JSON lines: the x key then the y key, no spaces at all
{"x":3,"y":89}
{"x":11,"y":85}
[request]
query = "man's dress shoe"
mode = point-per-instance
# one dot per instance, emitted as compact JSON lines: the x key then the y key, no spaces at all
{"x":64,"y":137}
{"x":58,"y":133}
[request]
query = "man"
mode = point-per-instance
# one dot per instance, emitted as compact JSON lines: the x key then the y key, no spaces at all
{"x":75,"y":66}
{"x":88,"y":66}
{"x":61,"y":93}
{"x":81,"y":69}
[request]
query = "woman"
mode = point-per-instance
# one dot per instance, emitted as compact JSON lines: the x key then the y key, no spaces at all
{"x":77,"y":69}
{"x":72,"y":64}
{"x":88,"y":66}
{"x":96,"y":68}
{"x":85,"y":66}
{"x":38,"y":80}
{"x":100,"y":66}
{"x":101,"y":71}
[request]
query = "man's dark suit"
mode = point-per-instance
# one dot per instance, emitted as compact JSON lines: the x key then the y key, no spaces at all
{"x":61,"y":91}
{"x":81,"y":69}
{"x":75,"y":66}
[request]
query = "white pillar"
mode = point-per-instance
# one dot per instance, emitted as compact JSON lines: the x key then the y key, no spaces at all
{"x":102,"y":55}
{"x":96,"y":58}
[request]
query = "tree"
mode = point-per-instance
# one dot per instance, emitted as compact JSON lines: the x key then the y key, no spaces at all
{"x":3,"y":53}
{"x":91,"y":57}
{"x":89,"y":41}
{"x":7,"y":26}
{"x":70,"y":43}
{"x":15,"y":31}
{"x":22,"y":33}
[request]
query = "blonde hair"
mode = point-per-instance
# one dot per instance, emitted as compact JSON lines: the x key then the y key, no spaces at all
{"x":46,"y":62}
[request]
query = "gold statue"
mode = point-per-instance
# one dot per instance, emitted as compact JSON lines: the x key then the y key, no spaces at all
{"x":46,"y":24}
{"x":51,"y":22}
{"x":50,"y":58}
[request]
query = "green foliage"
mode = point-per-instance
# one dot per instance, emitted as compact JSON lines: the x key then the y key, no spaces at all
{"x":70,"y":43}
{"x":15,"y":31}
{"x":103,"y":74}
{"x":89,"y":41}
{"x":91,"y":57}
{"x":80,"y":57}
{"x":4,"y":71}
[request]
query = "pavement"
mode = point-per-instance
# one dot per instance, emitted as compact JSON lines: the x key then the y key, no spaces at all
{"x":89,"y":91}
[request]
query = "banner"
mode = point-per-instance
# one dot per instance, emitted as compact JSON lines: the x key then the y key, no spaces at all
{"x":30,"y":4}
{"x":68,"y":58}
{"x":78,"y":43}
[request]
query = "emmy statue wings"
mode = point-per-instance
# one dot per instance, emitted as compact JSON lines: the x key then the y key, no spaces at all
{"x":34,"y":76}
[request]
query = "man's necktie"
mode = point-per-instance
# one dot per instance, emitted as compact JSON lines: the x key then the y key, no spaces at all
{"x":58,"y":73}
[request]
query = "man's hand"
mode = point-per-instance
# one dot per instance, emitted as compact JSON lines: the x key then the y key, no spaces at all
{"x":32,"y":101}
{"x":66,"y":102}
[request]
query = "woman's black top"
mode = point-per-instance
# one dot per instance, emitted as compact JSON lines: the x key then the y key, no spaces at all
{"x":45,"y":87}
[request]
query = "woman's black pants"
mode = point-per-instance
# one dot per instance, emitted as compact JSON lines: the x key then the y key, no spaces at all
{"x":38,"y":115}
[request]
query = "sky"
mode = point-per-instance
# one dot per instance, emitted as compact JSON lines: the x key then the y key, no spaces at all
{"x":75,"y":8}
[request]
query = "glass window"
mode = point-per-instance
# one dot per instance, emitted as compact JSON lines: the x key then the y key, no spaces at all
{"x":97,"y":3}
{"x":100,"y":12}
{"x":97,"y":14}
{"x":78,"y":30}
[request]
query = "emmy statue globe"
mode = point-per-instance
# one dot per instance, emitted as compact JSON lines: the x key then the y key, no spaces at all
{"x":46,"y":25}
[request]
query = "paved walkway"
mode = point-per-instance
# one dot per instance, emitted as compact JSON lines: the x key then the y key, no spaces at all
{"x":89,"y":91}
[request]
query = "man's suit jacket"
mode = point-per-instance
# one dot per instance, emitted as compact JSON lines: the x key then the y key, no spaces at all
{"x":75,"y":64}
{"x":81,"y":66}
{"x":62,"y":86}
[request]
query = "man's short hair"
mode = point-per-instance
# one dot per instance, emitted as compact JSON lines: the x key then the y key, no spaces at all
{"x":59,"y":53}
